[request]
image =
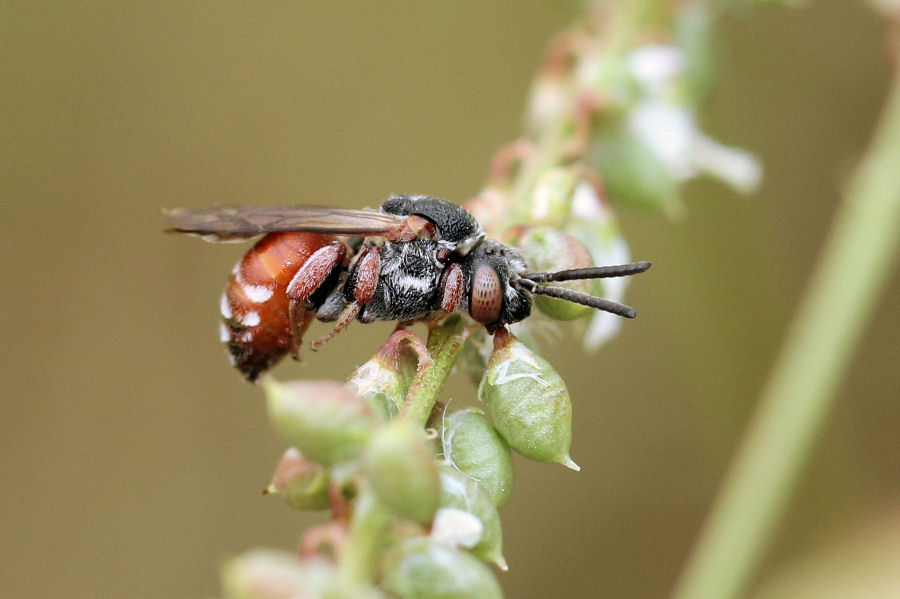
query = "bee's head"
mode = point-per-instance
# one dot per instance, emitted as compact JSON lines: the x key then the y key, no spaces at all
{"x":493,"y":298}
{"x":499,"y":288}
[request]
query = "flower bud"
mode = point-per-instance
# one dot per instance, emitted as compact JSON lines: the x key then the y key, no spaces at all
{"x":321,"y":418}
{"x":488,"y":207}
{"x":632,"y":172}
{"x":266,"y":574}
{"x":302,"y":482}
{"x":381,"y":384}
{"x":547,"y":250}
{"x":613,"y":81}
{"x":548,"y":103}
{"x":400,"y":465}
{"x":456,"y":528}
{"x":595,"y":225}
{"x":422,"y":569}
{"x":551,"y":198}
{"x":460,"y":492}
{"x":477,"y":450}
{"x":528,"y":402}
{"x":694,"y":26}
{"x":384,"y":380}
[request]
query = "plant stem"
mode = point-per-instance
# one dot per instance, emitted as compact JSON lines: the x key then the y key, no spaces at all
{"x":357,"y":559}
{"x":853,"y":269}
{"x":444,"y":344}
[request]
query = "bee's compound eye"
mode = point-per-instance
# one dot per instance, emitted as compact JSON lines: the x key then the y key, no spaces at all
{"x":486,"y":298}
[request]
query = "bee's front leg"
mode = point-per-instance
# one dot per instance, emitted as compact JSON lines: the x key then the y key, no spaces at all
{"x":451,"y":288}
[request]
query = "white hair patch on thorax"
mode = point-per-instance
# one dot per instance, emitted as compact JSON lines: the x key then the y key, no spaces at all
{"x":418,"y":283}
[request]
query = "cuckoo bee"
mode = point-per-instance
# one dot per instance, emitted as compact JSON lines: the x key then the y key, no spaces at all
{"x":416,"y":257}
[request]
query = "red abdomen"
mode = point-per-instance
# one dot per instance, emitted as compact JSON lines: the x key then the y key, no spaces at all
{"x":255,"y":308}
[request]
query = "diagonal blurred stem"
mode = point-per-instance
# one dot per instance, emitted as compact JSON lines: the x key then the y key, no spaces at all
{"x":859,"y":256}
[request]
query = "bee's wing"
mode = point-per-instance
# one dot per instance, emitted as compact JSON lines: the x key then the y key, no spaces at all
{"x":234,"y":224}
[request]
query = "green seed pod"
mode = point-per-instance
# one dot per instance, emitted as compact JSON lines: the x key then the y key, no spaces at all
{"x":266,"y":574}
{"x":321,"y":418}
{"x":400,"y":465}
{"x":460,"y":492}
{"x":477,"y":450}
{"x":473,"y":357}
{"x":422,"y":569}
{"x":528,"y":402}
{"x":302,"y":482}
{"x":547,"y":249}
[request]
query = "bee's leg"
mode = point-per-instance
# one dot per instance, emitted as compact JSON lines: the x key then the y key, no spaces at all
{"x":300,"y":320}
{"x":322,"y":265}
{"x":345,"y":318}
{"x":363,"y":281}
{"x":316,"y":270}
{"x":330,"y":309}
{"x":450,"y":294}
{"x":451,"y":288}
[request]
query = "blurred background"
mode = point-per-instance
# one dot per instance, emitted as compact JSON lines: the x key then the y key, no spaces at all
{"x":133,"y":455}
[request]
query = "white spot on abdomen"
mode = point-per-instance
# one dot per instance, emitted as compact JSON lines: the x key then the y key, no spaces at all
{"x":224,"y":335}
{"x":250,"y":319}
{"x":257,"y":293}
{"x":225,"y":307}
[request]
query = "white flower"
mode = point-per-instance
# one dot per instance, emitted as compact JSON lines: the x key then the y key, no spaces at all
{"x":655,"y":67}
{"x":456,"y":528}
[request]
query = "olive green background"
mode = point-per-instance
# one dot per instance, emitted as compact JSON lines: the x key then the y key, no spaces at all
{"x":132,"y":454}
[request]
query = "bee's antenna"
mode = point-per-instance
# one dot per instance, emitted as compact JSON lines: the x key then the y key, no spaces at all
{"x":577,"y":297}
{"x":596,"y":272}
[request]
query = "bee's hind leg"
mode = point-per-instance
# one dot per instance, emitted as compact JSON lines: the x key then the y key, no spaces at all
{"x":300,"y":320}
{"x":316,"y":270}
{"x":306,"y":286}
{"x":363,"y":280}
{"x":346,"y":317}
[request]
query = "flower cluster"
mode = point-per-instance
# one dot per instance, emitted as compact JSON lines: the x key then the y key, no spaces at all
{"x":414,"y":511}
{"x":611,"y":119}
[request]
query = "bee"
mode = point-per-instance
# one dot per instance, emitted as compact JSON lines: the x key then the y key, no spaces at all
{"x":415,"y":258}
